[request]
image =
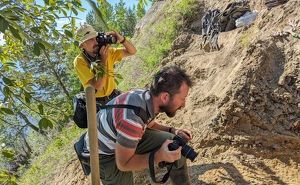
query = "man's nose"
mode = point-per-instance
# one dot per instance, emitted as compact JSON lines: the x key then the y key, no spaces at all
{"x":183,"y":104}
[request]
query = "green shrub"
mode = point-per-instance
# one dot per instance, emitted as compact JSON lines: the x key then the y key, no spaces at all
{"x":58,"y":153}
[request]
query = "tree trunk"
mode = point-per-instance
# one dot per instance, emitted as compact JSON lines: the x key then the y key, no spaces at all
{"x":28,"y":149}
{"x":28,"y":123}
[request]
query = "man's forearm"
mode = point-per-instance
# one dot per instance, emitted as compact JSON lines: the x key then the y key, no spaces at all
{"x":160,"y":127}
{"x":129,"y":48}
{"x":99,"y":83}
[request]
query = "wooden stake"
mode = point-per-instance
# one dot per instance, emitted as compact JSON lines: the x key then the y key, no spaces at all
{"x":92,"y":131}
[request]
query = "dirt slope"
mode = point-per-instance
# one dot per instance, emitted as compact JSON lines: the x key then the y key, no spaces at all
{"x":244,"y":108}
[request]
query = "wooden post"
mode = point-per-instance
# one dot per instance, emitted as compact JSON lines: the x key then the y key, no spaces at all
{"x":93,"y":136}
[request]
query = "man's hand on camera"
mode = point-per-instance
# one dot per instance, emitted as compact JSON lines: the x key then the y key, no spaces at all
{"x":119,"y":37}
{"x":104,"y":51}
{"x":185,"y":133}
{"x":164,"y":154}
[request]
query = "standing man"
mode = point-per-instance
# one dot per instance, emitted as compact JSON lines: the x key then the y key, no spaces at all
{"x":125,"y":141}
{"x":104,"y":56}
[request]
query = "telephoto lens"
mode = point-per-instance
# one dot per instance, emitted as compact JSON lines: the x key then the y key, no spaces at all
{"x":186,"y":150}
{"x":103,"y":39}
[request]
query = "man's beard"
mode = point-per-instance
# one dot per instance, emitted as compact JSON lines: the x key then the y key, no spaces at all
{"x":167,"y":109}
{"x":96,"y":49}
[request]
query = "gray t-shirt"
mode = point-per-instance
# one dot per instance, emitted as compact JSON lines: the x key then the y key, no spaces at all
{"x":122,"y":125}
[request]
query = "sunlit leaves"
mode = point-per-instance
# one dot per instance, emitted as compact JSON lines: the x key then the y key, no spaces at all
{"x":7,"y":179}
{"x":8,"y":154}
{"x":141,"y":3}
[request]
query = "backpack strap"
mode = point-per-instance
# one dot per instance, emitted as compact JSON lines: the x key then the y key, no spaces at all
{"x":137,"y":110}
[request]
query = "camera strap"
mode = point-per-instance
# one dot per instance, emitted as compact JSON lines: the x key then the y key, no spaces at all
{"x":152,"y":173}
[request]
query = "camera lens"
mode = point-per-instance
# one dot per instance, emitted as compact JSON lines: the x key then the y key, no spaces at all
{"x":103,"y":39}
{"x":113,"y":39}
{"x":188,"y":152}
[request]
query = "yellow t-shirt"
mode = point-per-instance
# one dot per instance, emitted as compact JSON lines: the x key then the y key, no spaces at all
{"x":83,"y":71}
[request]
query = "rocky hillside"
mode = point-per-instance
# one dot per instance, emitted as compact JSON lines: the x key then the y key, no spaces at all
{"x":244,"y":108}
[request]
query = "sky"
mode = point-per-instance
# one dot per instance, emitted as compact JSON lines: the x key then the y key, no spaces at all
{"x":82,"y":15}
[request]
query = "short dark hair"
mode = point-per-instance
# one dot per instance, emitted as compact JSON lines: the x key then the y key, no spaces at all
{"x":169,"y":79}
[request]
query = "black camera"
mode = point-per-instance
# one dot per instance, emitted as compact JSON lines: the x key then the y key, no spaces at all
{"x":186,"y":150}
{"x":103,"y":39}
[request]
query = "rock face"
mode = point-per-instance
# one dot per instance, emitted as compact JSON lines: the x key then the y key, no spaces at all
{"x":244,"y":107}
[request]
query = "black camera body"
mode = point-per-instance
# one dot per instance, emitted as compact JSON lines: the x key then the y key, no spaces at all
{"x":103,"y":39}
{"x":186,"y":150}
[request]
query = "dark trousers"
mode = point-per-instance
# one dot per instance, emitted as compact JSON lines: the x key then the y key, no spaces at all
{"x":151,"y":140}
{"x":105,"y":99}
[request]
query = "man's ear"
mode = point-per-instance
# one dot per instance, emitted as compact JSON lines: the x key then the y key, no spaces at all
{"x":165,"y":97}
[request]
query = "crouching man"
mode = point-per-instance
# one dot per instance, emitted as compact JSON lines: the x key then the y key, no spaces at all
{"x":126,"y":141}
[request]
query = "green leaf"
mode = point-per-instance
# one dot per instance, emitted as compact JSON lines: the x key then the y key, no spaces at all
{"x":45,"y":123}
{"x":65,"y":13}
{"x":27,"y":100}
{"x":8,"y":81}
{"x":35,"y":30}
{"x":117,"y":81}
{"x":75,"y":11}
{"x":10,"y":64}
{"x":41,"y":46}
{"x":76,"y":43}
{"x":55,"y":33}
{"x":36,"y":49}
{"x":47,"y":45}
{"x":7,"y":154}
{"x":28,"y":97}
{"x":81,"y":9}
{"x":6,"y":91}
{"x":6,"y":110}
{"x":15,"y":32}
{"x":73,"y":21}
{"x":51,"y":2}
{"x":44,"y":28}
{"x":145,"y":1}
{"x":3,"y":175}
{"x":68,"y":33}
{"x":41,"y":108}
{"x":3,"y":24}
{"x":141,"y":3}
